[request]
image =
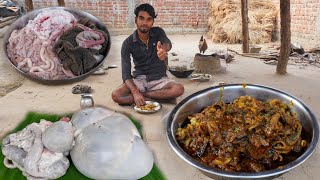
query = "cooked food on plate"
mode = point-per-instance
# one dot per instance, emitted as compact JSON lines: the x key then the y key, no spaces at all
{"x":148,"y":107}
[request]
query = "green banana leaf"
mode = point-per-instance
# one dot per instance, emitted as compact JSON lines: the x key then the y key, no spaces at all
{"x":72,"y":172}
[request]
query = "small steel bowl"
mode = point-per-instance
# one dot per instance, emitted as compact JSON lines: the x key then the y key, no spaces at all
{"x":86,"y":100}
{"x":23,"y":21}
{"x":199,"y":100}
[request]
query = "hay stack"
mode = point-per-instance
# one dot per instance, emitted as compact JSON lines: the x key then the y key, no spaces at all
{"x":225,"y":24}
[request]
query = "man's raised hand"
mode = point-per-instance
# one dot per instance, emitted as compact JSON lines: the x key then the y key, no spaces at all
{"x":162,"y":54}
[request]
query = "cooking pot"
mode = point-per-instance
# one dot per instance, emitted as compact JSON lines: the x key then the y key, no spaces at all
{"x":196,"y":102}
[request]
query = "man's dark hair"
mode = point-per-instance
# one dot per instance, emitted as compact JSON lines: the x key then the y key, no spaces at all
{"x":145,"y":7}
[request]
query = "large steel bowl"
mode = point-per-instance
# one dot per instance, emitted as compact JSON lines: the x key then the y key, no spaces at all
{"x":199,"y":100}
{"x":23,"y":21}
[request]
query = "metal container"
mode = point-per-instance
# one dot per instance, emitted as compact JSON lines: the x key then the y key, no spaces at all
{"x":199,"y":100}
{"x":86,"y":100}
{"x":254,"y":49}
{"x":23,"y":21}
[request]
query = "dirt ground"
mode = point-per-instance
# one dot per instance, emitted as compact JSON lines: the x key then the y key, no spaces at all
{"x":19,"y":95}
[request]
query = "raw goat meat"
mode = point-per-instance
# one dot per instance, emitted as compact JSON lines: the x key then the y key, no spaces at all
{"x":25,"y":150}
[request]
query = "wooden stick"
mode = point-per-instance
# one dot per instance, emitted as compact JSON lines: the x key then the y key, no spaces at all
{"x":256,"y":55}
{"x":259,"y":56}
{"x":232,"y":51}
{"x":29,"y":5}
{"x":245,"y":29}
{"x":313,"y":50}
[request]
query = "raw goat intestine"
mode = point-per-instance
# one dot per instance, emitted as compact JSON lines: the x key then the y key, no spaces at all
{"x":50,"y":23}
{"x":30,"y":48}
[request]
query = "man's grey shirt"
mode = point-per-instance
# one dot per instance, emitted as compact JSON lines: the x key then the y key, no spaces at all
{"x":145,"y":59}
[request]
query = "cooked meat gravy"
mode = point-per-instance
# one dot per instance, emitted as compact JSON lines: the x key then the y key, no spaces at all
{"x":246,"y":135}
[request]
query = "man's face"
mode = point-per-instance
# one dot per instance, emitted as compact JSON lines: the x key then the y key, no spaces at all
{"x":144,"y":22}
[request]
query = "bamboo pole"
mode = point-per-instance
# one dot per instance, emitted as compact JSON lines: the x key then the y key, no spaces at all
{"x":285,"y":36}
{"x":245,"y":29}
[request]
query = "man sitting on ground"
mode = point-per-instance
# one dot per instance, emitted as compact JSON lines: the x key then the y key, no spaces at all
{"x":148,"y":47}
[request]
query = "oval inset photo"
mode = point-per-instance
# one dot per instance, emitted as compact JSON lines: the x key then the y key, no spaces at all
{"x":57,"y":45}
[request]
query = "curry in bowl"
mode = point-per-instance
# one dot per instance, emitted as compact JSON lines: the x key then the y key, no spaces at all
{"x":246,"y":135}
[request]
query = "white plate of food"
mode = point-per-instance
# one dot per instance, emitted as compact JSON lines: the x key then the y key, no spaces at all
{"x":149,"y":107}
{"x":201,"y":77}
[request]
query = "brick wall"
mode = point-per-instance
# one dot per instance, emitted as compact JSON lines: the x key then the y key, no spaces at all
{"x":305,"y":18}
{"x":182,"y":16}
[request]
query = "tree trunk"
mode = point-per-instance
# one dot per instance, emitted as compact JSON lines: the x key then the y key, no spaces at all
{"x":29,"y":5}
{"x":61,"y":3}
{"x":285,"y":36}
{"x":245,"y":30}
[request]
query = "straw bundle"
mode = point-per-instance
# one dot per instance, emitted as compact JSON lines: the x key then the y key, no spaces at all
{"x":225,"y":23}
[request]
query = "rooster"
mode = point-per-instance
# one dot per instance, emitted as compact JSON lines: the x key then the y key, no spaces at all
{"x":202,"y":45}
